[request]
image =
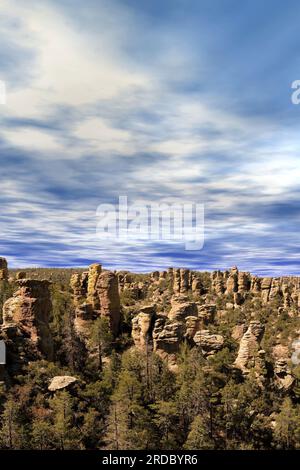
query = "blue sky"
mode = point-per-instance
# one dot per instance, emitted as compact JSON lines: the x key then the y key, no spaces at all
{"x":183,"y":100}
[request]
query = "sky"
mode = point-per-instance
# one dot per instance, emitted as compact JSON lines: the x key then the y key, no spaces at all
{"x":180,"y":100}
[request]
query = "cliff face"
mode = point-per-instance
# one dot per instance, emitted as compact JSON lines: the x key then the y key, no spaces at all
{"x":95,"y":294}
{"x":29,"y":310}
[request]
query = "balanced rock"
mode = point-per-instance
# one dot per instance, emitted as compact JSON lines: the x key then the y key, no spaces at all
{"x":61,"y":381}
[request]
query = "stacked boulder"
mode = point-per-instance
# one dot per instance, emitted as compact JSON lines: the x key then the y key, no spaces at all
{"x":96,"y":294}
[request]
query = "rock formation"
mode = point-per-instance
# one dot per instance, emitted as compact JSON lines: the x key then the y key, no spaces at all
{"x":167,"y":338}
{"x":92,"y":294}
{"x":108,"y":290}
{"x":181,"y":307}
{"x":249,"y":346}
{"x":29,"y":309}
{"x":142,"y":326}
{"x":3,"y":270}
{"x":60,"y":382}
{"x":208,"y":342}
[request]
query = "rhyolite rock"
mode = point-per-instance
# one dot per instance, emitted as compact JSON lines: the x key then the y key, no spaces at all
{"x":60,"y":382}
{"x":181,"y":307}
{"x":208,"y":342}
{"x":30,"y":309}
{"x":249,"y":346}
{"x":108,"y":289}
{"x":142,"y":326}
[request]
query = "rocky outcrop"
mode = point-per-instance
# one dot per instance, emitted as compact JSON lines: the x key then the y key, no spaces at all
{"x":92,"y":294}
{"x":232,"y":281}
{"x":176,"y":281}
{"x":244,"y":282}
{"x":78,"y":284}
{"x":197,"y":287}
{"x":255,"y":286}
{"x":218,"y":282}
{"x":108,"y":290}
{"x":275,"y":289}
{"x":192,"y":325}
{"x":208,"y":342}
{"x":29,"y":310}
{"x":249,"y":346}
{"x":3,"y":270}
{"x":142,"y":326}
{"x":184,"y":280}
{"x":265,"y":289}
{"x":283,"y":376}
{"x":207,"y":312}
{"x":181,"y":307}
{"x":167,"y":338}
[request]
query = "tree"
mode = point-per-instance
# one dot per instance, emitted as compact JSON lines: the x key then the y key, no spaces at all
{"x":102,"y":338}
{"x":63,"y":420}
{"x":41,"y":434}
{"x":11,"y":432}
{"x":199,"y":436}
{"x":287,"y":427}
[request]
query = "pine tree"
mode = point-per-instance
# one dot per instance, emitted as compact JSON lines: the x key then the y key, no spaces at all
{"x":11,"y":432}
{"x":102,"y":338}
{"x":199,"y":436}
{"x":64,"y":433}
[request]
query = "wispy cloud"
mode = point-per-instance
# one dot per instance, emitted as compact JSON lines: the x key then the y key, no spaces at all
{"x":155,"y":102}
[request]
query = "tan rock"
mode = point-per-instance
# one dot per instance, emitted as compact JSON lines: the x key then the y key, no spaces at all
{"x":108,"y":290}
{"x":184,"y":280}
{"x":207,"y":312}
{"x":208,"y":342}
{"x":3,"y":270}
{"x":176,"y":281}
{"x":166,"y":340}
{"x":60,"y":382}
{"x":30,"y":308}
{"x":182,"y":307}
{"x":249,"y":346}
{"x":232,"y":281}
{"x":192,"y":325}
{"x":142,"y":325}
{"x":92,"y":294}
{"x":238,"y":332}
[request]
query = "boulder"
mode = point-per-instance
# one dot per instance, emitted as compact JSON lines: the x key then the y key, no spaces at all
{"x":208,"y":342}
{"x":60,"y":382}
{"x":182,"y":307}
